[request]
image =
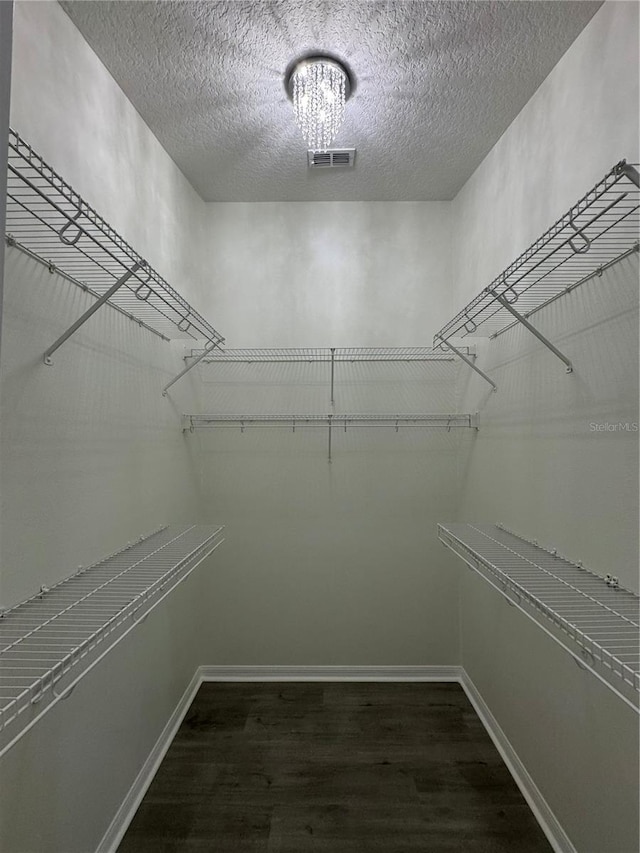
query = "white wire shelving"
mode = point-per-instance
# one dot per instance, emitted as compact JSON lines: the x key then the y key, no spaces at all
{"x":446,"y":421}
{"x":331,"y":422}
{"x":332,"y":356}
{"x":51,"y":641}
{"x":592,"y":617}
{"x":322,"y":354}
{"x":602,"y":228}
{"x":49,"y":221}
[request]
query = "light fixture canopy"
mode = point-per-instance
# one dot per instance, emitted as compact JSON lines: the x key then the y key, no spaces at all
{"x":319,"y":87}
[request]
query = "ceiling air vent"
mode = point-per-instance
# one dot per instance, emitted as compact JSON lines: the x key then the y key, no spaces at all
{"x":332,"y":158}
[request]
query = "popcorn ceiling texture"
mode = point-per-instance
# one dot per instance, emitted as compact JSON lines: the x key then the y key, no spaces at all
{"x":436,"y":84}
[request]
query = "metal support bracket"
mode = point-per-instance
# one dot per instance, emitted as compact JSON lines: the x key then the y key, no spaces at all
{"x":630,"y":172}
{"x":333,"y":364}
{"x":212,"y":345}
{"x":468,"y":361}
{"x":330,"y":420}
{"x":89,"y":312}
{"x":508,"y":305}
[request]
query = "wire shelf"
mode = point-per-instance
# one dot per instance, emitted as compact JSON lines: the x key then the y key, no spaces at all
{"x":52,"y":223}
{"x":324,"y":354}
{"x":599,"y":230}
{"x":49,"y":642}
{"x":591,"y":616}
{"x":291,"y":421}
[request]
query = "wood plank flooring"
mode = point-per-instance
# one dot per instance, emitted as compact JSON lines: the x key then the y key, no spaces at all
{"x":334,"y":768}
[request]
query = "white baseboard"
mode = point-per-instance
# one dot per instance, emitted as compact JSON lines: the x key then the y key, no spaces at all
{"x":330,"y":673}
{"x":549,"y":824}
{"x":123,"y":817}
{"x":538,"y":805}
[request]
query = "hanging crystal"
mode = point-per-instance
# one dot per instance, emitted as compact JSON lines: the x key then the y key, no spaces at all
{"x":319,"y":92}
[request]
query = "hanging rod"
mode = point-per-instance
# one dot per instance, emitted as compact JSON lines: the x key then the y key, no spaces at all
{"x":331,"y":422}
{"x":599,"y":230}
{"x":48,"y":220}
{"x":192,"y":422}
{"x":51,"y":641}
{"x":592,"y":617}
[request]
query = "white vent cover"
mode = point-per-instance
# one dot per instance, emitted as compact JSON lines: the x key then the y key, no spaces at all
{"x":331,"y":158}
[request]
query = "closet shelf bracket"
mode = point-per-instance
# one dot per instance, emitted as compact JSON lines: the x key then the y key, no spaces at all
{"x":333,"y":373}
{"x":212,"y":345}
{"x":467,"y":360}
{"x":509,"y":307}
{"x":89,"y":312}
{"x":630,"y":172}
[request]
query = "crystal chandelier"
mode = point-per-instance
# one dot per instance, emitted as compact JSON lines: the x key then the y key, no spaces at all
{"x":319,"y":88}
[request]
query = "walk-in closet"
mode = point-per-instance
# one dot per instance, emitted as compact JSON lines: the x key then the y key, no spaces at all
{"x":319,"y":426}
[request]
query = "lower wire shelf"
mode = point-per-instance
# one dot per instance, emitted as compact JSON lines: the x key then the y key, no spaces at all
{"x":593,"y":618}
{"x":331,"y":422}
{"x":51,"y":641}
{"x":192,"y":422}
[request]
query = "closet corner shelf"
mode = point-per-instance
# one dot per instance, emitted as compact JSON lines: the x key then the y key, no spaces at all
{"x":596,"y":621}
{"x":51,"y":641}
{"x":602,"y":228}
{"x":53,"y":224}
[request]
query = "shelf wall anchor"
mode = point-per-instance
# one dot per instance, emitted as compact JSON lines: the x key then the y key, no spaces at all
{"x":468,"y":361}
{"x":89,"y":312}
{"x":508,"y":305}
{"x":630,"y":171}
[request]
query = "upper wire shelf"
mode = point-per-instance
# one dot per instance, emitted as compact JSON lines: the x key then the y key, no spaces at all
{"x":323,"y":354}
{"x":51,"y":222}
{"x":599,"y":230}
{"x":595,"y":619}
{"x":52,"y":640}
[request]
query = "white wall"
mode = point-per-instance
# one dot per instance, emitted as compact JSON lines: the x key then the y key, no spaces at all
{"x":537,"y":465}
{"x":6,"y":32}
{"x":580,"y":122}
{"x":329,"y":274}
{"x":331,"y":563}
{"x":69,"y":108}
{"x":91,"y":454}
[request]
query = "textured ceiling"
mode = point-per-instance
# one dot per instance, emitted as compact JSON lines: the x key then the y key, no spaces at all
{"x":436,"y":84}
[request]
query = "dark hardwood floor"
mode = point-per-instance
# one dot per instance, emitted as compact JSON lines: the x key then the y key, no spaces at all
{"x":333,"y":767}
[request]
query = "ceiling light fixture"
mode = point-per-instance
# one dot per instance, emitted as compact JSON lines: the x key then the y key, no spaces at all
{"x":319,"y":87}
